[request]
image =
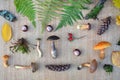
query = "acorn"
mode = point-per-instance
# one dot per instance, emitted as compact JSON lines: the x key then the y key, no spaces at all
{"x":49,"y":28}
{"x":24,"y":28}
{"x":77,"y":52}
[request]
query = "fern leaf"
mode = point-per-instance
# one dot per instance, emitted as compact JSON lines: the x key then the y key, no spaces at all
{"x":47,"y":11}
{"x":72,"y":13}
{"x":26,"y":8}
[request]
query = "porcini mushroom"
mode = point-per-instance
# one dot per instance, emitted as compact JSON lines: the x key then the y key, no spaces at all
{"x":101,"y":46}
{"x":33,"y":66}
{"x":91,"y":65}
{"x":5,"y":59}
{"x":53,"y":50}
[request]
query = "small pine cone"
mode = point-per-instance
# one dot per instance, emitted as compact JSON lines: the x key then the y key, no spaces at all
{"x":58,"y":68}
{"x":101,"y":30}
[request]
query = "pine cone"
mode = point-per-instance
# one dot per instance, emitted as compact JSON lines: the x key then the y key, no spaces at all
{"x":104,"y":26}
{"x":60,"y":67}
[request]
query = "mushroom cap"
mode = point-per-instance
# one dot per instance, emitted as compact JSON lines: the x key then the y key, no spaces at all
{"x":38,"y":39}
{"x":102,"y":45}
{"x":93,"y":65}
{"x":53,"y":37}
{"x":34,"y":66}
{"x":5,"y":57}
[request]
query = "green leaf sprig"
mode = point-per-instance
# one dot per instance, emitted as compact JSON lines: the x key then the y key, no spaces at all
{"x":108,"y":68}
{"x":20,"y":46}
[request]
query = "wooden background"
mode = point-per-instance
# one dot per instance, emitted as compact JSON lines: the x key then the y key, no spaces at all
{"x":65,"y":48}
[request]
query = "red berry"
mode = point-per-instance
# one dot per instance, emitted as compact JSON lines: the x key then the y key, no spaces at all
{"x":70,"y":39}
{"x":70,"y":34}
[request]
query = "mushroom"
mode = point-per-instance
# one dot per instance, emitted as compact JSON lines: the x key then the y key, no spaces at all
{"x":5,"y":59}
{"x":33,"y":66}
{"x":91,"y":65}
{"x":38,"y":47}
{"x":84,"y":26}
{"x":101,"y":46}
{"x":53,"y":50}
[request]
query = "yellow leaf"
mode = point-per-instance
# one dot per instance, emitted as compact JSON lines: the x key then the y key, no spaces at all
{"x":118,"y":20}
{"x":116,"y":3}
{"x":6,"y":32}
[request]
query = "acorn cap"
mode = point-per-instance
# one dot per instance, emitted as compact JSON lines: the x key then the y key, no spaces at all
{"x":53,"y":37}
{"x":93,"y":66}
{"x":102,"y":45}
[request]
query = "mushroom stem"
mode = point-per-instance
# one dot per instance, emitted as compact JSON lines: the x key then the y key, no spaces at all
{"x":87,"y":64}
{"x":38,"y":47}
{"x":102,"y":54}
{"x":5,"y":59}
{"x":5,"y":64}
{"x":22,"y":67}
{"x":53,"y":50}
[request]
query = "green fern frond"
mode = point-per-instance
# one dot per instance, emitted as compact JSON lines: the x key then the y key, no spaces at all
{"x":72,"y":13}
{"x":47,"y":11}
{"x":26,"y":8}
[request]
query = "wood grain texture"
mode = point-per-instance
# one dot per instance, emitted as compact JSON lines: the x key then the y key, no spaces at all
{"x":64,"y":47}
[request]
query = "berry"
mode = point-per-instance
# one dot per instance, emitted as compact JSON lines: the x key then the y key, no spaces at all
{"x":70,"y":34}
{"x":70,"y":39}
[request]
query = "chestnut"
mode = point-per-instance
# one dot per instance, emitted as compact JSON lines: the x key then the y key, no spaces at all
{"x":49,"y":28}
{"x":76,"y":52}
{"x":24,"y":28}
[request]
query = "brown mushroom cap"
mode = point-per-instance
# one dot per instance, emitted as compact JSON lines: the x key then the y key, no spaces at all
{"x":102,"y":45}
{"x":5,"y":57}
{"x":93,"y":66}
{"x":34,"y":66}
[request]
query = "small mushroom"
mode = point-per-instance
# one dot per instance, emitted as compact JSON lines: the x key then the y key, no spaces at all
{"x":53,"y":50}
{"x":38,"y":47}
{"x":84,"y":26}
{"x":5,"y":59}
{"x":91,"y":65}
{"x":33,"y":66}
{"x":101,"y":46}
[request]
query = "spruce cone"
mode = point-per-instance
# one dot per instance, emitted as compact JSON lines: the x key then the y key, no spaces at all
{"x":104,"y":26}
{"x":60,"y":67}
